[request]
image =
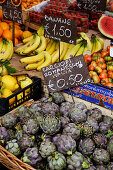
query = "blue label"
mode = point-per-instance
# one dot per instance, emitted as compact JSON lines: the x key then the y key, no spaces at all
{"x":94,"y":94}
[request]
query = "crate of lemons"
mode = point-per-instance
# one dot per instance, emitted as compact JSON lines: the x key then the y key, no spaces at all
{"x":10,"y":84}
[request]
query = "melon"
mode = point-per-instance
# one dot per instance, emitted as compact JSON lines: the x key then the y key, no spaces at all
{"x":105,"y":26}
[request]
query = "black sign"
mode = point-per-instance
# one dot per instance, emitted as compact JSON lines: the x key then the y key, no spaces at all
{"x":92,"y":5}
{"x":66,"y":74}
{"x":12,"y":13}
{"x":61,"y":29}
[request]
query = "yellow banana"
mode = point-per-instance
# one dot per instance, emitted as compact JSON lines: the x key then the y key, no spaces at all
{"x":42,"y":45}
{"x":4,"y":47}
{"x":48,"y":40}
{"x":48,"y":61}
{"x":49,"y":45}
{"x":79,"y":40}
{"x":101,"y":42}
{"x":52,"y":49}
{"x":56,"y":48}
{"x":93,"y":46}
{"x":85,"y":37}
{"x":40,"y":31}
{"x":7,"y":51}
{"x":1,"y":45}
{"x":27,"y":39}
{"x":33,"y":46}
{"x":98,"y":45}
{"x":32,"y":59}
{"x":80,"y":51}
{"x":11,"y":52}
{"x":64,"y":51}
{"x":56,"y":56}
{"x":34,"y":65}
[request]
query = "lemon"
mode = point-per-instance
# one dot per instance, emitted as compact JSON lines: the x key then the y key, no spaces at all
{"x":20,"y":95}
{"x":20,"y":78}
{"x":10,"y":82}
{"x":3,"y":71}
{"x":7,"y":93}
{"x":25,"y":83}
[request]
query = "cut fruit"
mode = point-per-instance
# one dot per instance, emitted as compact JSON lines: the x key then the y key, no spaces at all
{"x":2,"y":1}
{"x":105,"y":26}
{"x":16,"y":2}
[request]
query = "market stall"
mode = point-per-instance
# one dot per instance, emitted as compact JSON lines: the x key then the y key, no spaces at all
{"x":56,"y":84}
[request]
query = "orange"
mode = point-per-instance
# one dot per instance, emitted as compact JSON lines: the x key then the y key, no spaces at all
{"x":26,"y":34}
{"x":1,"y":14}
{"x":4,"y":26}
{"x":7,"y":34}
{"x":17,"y":33}
{"x":0,"y":38}
{"x":1,"y":31}
{"x":16,"y":41}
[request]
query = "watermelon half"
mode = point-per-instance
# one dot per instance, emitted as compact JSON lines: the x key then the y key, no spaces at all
{"x":105,"y":26}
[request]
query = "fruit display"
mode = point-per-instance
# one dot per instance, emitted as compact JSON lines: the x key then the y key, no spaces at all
{"x":27,"y":4}
{"x":100,"y":67}
{"x":47,"y":141}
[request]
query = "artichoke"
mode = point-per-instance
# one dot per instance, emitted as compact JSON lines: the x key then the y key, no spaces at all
{"x":101,"y":156}
{"x":108,"y":120}
{"x":18,"y":134}
{"x":4,"y":135}
{"x":24,"y":114}
{"x":26,"y":141}
{"x":64,"y":121}
{"x":66,"y":144}
{"x":57,"y":97}
{"x":43,"y":137}
{"x":104,"y":127}
{"x":95,"y":113}
{"x":36,"y":107}
{"x":77,"y":115}
{"x":110,"y":166}
{"x":30,"y":127}
{"x":50,"y":124}
{"x":56,"y":138}
{"x":11,"y":134}
{"x":57,"y":161}
{"x":93,"y":123}
{"x":72,"y":130}
{"x":110,"y":147}
{"x":100,"y":140}
{"x":100,"y":167}
{"x":65,"y":108}
{"x":50,"y":108}
{"x":86,"y":146}
{"x":46,"y":99}
{"x":47,"y":148}
{"x":13,"y":147}
{"x":9,"y":120}
{"x":31,"y":156}
{"x":87,"y":130}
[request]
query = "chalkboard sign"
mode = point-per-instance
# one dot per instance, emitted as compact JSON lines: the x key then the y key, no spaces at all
{"x":61,"y":29}
{"x":12,"y":13}
{"x":66,"y":74}
{"x":92,"y":5}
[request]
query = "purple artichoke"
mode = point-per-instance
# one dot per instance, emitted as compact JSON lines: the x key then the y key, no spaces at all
{"x":100,"y":140}
{"x":100,"y":167}
{"x":93,"y":123}
{"x":101,"y":156}
{"x":110,"y":166}
{"x":95,"y":113}
{"x":50,"y":108}
{"x":9,"y":120}
{"x":46,"y":99}
{"x":42,"y":138}
{"x":4,"y":135}
{"x":110,"y":147}
{"x":31,"y":156}
{"x":66,"y":144}
{"x":30,"y":127}
{"x":108,"y":120}
{"x":77,"y":115}
{"x":57,"y":97}
{"x":65,"y":108}
{"x":72,"y":130}
{"x":87,"y":130}
{"x":64,"y":121}
{"x":56,"y":138}
{"x":86,"y":146}
{"x":104,"y":127}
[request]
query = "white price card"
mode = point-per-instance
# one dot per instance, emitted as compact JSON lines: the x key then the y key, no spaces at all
{"x":111,"y":51}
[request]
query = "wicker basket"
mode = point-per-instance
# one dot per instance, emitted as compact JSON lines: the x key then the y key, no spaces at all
{"x":7,"y":158}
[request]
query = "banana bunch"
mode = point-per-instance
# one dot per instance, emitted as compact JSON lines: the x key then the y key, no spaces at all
{"x":97,"y":44}
{"x":6,"y":50}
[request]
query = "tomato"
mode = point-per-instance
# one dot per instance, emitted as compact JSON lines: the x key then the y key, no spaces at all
{"x":104,"y":54}
{"x":91,"y":67}
{"x":110,"y":74}
{"x":104,"y":81}
{"x":96,"y":79}
{"x":110,"y":80}
{"x":93,"y":63}
{"x":102,"y":65}
{"x":105,"y":71}
{"x":98,"y":69}
{"x":108,"y":58}
{"x":92,"y":73}
{"x":100,"y":60}
{"x":109,"y":84}
{"x":103,"y":75}
{"x":110,"y":68}
{"x":87,"y":58}
{"x":95,"y":56}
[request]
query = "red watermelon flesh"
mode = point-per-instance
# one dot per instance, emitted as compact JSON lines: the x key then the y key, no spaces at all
{"x":105,"y":25}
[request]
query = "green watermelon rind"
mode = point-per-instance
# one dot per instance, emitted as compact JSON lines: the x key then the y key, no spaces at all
{"x":100,"y":29}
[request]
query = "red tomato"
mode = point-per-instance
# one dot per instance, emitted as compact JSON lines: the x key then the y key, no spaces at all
{"x":91,"y":67}
{"x":87,"y":58}
{"x":98,"y":69}
{"x":93,"y":63}
{"x":102,"y":65}
{"x":104,"y":54}
{"x":96,"y":79}
{"x":110,"y":74}
{"x":105,"y":71}
{"x":100,"y":60}
{"x":109,"y":84}
{"x":104,"y":81}
{"x":103,"y":75}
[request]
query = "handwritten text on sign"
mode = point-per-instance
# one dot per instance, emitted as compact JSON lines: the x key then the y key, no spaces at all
{"x":11,"y":12}
{"x":92,"y":5}
{"x":66,"y":74}
{"x":61,"y":29}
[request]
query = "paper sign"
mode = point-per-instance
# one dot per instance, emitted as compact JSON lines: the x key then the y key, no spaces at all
{"x":111,"y":51}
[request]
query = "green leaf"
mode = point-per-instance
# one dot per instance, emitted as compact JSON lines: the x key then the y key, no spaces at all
{"x":1,"y":90}
{"x":10,"y":69}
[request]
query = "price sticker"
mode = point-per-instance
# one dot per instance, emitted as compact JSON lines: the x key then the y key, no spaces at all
{"x":92,"y":5}
{"x":61,"y":29}
{"x":66,"y":74}
{"x":111,"y":51}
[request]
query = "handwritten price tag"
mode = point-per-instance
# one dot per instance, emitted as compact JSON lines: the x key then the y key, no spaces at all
{"x":61,"y":29}
{"x":66,"y":74}
{"x":11,"y":12}
{"x":92,"y":5}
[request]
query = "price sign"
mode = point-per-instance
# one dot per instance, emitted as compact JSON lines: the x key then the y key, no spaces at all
{"x":66,"y":74}
{"x":92,"y":5}
{"x":12,"y":13}
{"x":61,"y":29}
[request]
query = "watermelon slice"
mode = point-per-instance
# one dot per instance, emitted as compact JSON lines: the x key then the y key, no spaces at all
{"x":105,"y":26}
